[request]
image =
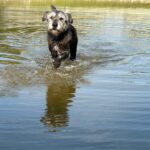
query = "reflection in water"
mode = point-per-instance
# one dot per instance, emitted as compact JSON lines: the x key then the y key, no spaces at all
{"x":59,"y":97}
{"x":16,"y":32}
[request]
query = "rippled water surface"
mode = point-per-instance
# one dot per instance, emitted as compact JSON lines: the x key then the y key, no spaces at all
{"x":101,"y":101}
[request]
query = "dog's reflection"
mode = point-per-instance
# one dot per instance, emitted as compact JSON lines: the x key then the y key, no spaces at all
{"x":59,"y":97}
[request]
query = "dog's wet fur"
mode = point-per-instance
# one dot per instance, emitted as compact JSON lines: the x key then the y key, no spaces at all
{"x":62,"y":36}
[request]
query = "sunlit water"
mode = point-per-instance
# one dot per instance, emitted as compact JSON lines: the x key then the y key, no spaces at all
{"x":101,"y":101}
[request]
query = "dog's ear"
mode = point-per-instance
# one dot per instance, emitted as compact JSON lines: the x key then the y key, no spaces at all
{"x":44,"y":18}
{"x":70,"y":18}
{"x":53,"y":8}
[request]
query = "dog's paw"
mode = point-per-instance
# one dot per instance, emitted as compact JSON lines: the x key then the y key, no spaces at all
{"x":56,"y":63}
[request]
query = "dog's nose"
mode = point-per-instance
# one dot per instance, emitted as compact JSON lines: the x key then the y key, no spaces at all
{"x":55,"y":24}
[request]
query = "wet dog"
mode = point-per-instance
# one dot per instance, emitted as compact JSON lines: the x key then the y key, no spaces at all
{"x":62,"y":36}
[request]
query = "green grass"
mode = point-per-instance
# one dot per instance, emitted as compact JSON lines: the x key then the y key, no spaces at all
{"x":77,"y":3}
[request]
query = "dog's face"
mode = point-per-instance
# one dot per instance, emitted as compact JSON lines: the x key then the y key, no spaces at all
{"x":57,"y":21}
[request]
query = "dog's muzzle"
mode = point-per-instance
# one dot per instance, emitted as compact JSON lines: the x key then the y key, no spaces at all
{"x":54,"y":25}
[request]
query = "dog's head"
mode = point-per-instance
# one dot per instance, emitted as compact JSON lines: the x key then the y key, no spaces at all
{"x":57,"y":21}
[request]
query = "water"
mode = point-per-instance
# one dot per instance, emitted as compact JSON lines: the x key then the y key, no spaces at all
{"x":101,"y":101}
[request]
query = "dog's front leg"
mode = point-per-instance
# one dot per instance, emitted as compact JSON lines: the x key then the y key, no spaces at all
{"x":56,"y":62}
{"x":61,"y":56}
{"x":56,"y":59}
{"x":53,"y":52}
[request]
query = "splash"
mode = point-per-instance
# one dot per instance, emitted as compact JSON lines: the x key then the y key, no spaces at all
{"x":41,"y":70}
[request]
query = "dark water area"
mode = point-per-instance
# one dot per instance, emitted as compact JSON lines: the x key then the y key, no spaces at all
{"x":100,"y":101}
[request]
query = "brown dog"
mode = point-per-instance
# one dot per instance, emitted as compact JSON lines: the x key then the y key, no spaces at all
{"x":62,"y":36}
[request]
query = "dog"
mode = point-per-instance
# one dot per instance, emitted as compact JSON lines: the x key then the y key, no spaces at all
{"x":61,"y":35}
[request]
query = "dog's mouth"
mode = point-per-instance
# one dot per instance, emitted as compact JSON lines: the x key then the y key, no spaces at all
{"x":55,"y":30}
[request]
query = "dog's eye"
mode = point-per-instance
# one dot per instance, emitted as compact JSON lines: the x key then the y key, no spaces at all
{"x":51,"y":17}
{"x":61,"y":18}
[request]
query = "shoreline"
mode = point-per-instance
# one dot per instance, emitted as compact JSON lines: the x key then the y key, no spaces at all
{"x":77,"y":3}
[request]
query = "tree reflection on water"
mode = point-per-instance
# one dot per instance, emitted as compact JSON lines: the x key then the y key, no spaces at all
{"x":59,"y":98}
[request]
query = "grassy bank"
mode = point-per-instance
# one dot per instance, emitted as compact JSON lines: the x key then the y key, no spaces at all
{"x":78,"y":3}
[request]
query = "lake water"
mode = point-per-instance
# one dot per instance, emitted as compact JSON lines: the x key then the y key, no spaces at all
{"x":99,"y":102}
